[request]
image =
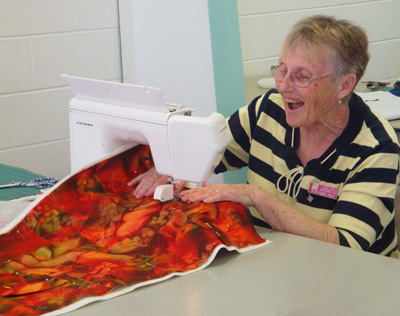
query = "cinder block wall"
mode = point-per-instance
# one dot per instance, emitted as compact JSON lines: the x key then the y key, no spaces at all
{"x":264,"y":24}
{"x":39,"y":40}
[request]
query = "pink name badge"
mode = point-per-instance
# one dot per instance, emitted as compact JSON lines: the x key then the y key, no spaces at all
{"x":323,"y":190}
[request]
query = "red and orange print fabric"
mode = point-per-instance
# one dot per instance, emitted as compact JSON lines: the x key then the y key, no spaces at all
{"x":90,"y":236}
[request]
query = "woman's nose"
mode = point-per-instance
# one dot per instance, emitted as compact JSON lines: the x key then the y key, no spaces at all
{"x":285,"y":84}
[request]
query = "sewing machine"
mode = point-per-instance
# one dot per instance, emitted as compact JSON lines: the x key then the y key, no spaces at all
{"x":108,"y":116}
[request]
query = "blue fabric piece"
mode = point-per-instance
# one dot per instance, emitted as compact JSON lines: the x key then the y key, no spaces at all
{"x":395,"y":92}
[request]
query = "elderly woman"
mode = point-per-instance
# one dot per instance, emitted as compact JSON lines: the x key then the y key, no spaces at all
{"x":321,"y":164}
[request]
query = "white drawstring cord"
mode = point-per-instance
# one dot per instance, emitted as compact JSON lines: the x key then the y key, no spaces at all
{"x":289,"y":176}
{"x":292,"y":137}
{"x":329,"y":156}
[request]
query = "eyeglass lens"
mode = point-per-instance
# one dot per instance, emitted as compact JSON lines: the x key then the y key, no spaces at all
{"x":301,"y":80}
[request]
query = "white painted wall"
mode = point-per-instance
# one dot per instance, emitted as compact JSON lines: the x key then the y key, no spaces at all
{"x":264,"y":25}
{"x":39,"y":40}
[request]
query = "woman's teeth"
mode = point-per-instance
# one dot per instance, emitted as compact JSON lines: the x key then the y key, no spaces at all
{"x":294,"y":104}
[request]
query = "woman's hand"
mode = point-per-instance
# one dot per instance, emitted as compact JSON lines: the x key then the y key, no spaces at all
{"x":280,"y":215}
{"x":147,"y":182}
{"x":209,"y":193}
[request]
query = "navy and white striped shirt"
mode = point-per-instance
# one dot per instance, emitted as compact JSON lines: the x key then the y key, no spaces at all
{"x":360,"y":169}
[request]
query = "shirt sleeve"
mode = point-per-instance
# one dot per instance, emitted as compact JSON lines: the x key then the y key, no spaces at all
{"x":365,"y":207}
{"x":240,"y":125}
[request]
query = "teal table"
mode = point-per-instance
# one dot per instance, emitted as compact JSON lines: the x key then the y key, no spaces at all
{"x":10,"y":174}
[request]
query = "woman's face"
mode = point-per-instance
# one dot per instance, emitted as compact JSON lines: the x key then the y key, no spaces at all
{"x":309,"y":106}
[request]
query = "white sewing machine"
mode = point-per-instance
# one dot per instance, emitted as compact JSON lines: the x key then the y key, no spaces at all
{"x":107,"y":116}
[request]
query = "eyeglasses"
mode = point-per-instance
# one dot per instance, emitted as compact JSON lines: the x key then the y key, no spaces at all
{"x":301,"y":79}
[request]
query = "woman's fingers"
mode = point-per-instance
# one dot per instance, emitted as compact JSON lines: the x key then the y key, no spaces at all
{"x":147,"y":182}
{"x":240,"y":193}
{"x":208,"y":194}
{"x":135,"y":180}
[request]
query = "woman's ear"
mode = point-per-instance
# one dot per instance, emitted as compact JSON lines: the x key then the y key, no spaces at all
{"x":347,"y":85}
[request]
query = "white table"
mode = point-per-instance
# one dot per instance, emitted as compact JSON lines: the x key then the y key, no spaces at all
{"x":292,"y":276}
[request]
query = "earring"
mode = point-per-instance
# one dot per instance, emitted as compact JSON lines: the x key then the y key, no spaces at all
{"x":339,"y":101}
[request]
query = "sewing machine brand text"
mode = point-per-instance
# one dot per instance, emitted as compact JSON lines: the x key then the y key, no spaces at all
{"x":84,"y":124}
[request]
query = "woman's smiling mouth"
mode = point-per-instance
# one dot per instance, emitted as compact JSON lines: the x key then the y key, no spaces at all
{"x":294,"y":104}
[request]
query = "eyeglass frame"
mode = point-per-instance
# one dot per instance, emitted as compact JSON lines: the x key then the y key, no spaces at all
{"x":276,"y":68}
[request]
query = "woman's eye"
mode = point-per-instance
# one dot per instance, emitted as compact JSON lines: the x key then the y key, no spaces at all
{"x":301,"y":77}
{"x":283,"y":72}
